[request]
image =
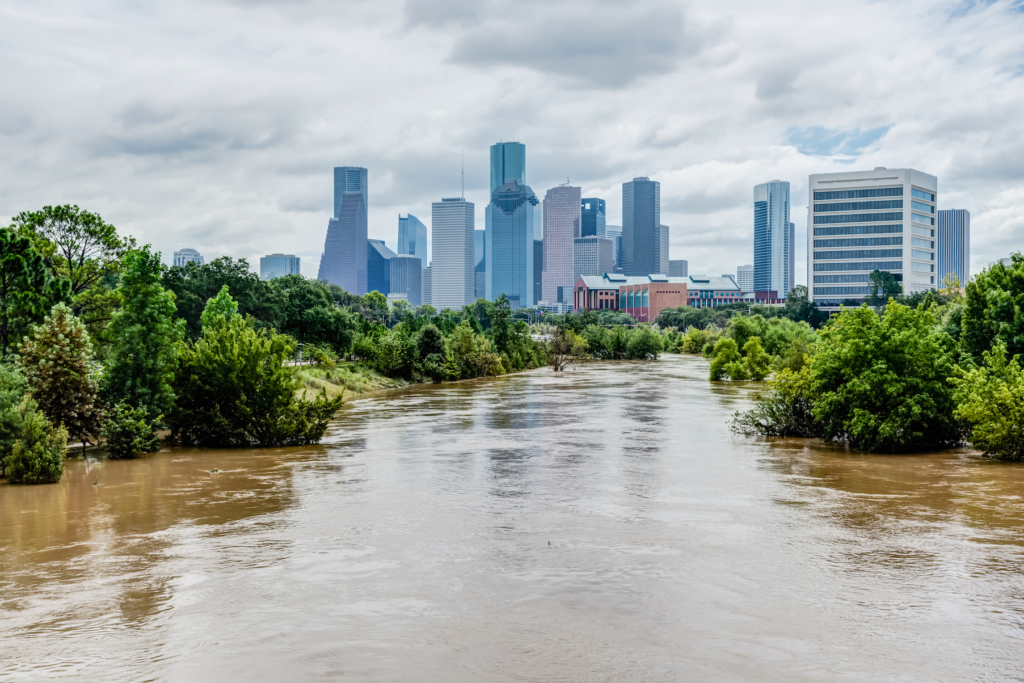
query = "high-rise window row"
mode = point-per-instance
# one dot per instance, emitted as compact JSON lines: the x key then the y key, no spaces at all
{"x":860,"y":206}
{"x":859,"y":218}
{"x":858,"y":242}
{"x":918,"y":206}
{"x":921,"y":194}
{"x":860,"y":194}
{"x":859,"y":229}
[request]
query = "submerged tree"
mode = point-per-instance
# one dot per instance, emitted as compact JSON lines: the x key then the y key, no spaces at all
{"x":38,"y":454}
{"x":26,"y":288}
{"x":991,"y":399}
{"x":55,"y":360}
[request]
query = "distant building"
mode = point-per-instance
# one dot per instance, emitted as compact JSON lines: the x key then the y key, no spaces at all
{"x":426,"y":279}
{"x":538,"y":269}
{"x":592,"y":218}
{"x":378,"y":267}
{"x":406,"y":278}
{"x":561,"y":228}
{"x":479,"y":242}
{"x":412,"y":237}
{"x":862,"y":221}
{"x":663,"y":251}
{"x":508,"y":162}
{"x":509,"y":244}
{"x":678,"y":268}
{"x":745,"y":277}
{"x":278,"y":265}
{"x":642,"y":242}
{"x":792,"y":257}
{"x":343,"y":261}
{"x":614,"y":233}
{"x":1008,"y":262}
{"x":643,"y":297}
{"x":479,"y":254}
{"x":592,"y":256}
{"x":772,"y":244}
{"x":452,"y":281}
{"x":954,"y":239}
{"x":183,"y":256}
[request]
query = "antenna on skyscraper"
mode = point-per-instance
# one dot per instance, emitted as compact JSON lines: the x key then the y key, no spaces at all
{"x":463,"y":172}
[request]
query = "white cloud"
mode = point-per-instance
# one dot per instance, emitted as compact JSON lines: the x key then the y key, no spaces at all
{"x":216,"y":124}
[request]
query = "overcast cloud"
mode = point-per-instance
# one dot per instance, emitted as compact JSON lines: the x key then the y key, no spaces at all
{"x":215,"y":125}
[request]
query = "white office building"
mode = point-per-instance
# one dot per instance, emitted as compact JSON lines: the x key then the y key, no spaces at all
{"x":451,"y":280}
{"x":592,"y":255}
{"x":745,"y":278}
{"x":183,"y":256}
{"x":862,"y":221}
{"x":279,"y":265}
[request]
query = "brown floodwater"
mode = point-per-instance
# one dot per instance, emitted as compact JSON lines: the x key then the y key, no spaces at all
{"x":598,"y":525}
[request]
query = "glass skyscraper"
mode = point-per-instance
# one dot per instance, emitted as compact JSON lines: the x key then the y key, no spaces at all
{"x":378,"y":267}
{"x":407,"y":278}
{"x":954,"y":245}
{"x":509,"y":244}
{"x":187,"y":255}
{"x":592,"y":217}
{"x":508,"y":162}
{"x":278,"y":265}
{"x":451,"y":278}
{"x":343,"y":261}
{"x":642,"y":242}
{"x":412,"y":237}
{"x":562,"y":213}
{"x":772,"y":245}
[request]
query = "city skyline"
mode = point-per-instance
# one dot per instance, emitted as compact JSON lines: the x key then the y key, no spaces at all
{"x":235,"y":162}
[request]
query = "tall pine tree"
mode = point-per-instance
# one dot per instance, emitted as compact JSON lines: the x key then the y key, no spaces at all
{"x":55,"y":360}
{"x":143,"y":337}
{"x":26,"y":288}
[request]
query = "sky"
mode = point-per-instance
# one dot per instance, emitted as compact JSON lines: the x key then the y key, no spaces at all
{"x":216,"y":125}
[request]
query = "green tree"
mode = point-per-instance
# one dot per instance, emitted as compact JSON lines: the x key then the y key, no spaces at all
{"x":234,"y":389}
{"x":882,"y":286}
{"x":726,"y":356}
{"x":644,"y":344}
{"x":880,"y":383}
{"x":500,"y":314}
{"x":26,"y":288}
{"x":994,"y":310}
{"x":38,"y":455}
{"x":144,"y":338}
{"x":129,"y":432}
{"x":757,"y":363}
{"x":12,"y":391}
{"x":55,"y":360}
{"x":800,"y":308}
{"x":567,"y":348}
{"x":784,"y":408}
{"x":82,"y":248}
{"x":220,"y":309}
{"x":991,"y":399}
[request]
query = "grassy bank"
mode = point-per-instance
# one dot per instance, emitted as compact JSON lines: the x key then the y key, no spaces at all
{"x":348,"y":377}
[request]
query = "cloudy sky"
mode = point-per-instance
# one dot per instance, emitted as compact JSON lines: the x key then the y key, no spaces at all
{"x":216,"y":125}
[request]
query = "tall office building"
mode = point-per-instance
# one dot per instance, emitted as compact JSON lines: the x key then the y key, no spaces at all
{"x":614,"y":233}
{"x":954,"y":238}
{"x":343,"y":261}
{"x":406,"y":278}
{"x":641,"y":227}
{"x":561,"y":227}
{"x":663,"y":250}
{"x":509,"y":244}
{"x":508,"y":162}
{"x":678,"y":268}
{"x":480,"y":269}
{"x":378,"y":267}
{"x":772,"y":244}
{"x":479,"y":239}
{"x":591,"y":256}
{"x":278,"y":265}
{"x":412,"y":237}
{"x":183,"y":256}
{"x":862,"y":221}
{"x":792,"y":257}
{"x":745,"y":278}
{"x":426,"y":290}
{"x":451,"y":280}
{"x":592,"y":218}
{"x":538,"y":270}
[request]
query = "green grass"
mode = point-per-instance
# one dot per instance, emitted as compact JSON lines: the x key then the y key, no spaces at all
{"x":345,"y":376}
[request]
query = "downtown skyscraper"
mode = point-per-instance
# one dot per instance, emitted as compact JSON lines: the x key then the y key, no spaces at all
{"x":642,"y":239}
{"x":593,"y":217}
{"x":412,"y":237}
{"x":343,"y":261}
{"x":508,"y":162}
{"x":954,"y":238}
{"x":451,"y":282}
{"x":562,"y":217}
{"x":509,"y":244}
{"x":772,"y":244}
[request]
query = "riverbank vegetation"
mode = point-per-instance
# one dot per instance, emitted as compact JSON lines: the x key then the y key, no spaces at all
{"x":925,"y":372}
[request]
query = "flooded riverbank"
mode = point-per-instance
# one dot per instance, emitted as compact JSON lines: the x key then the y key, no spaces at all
{"x":601,"y":524}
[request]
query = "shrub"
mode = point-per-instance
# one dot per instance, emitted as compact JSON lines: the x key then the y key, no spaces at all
{"x":725,"y":354}
{"x":784,"y":408}
{"x":757,"y":363}
{"x":128,"y":432}
{"x":991,"y":400}
{"x":38,"y":456}
{"x":12,"y":392}
{"x":644,"y":344}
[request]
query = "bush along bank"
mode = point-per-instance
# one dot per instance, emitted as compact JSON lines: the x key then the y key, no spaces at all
{"x":927,"y":377}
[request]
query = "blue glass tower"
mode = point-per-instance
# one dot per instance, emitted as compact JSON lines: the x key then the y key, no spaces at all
{"x":509,"y":244}
{"x":641,"y":228}
{"x":954,"y":236}
{"x":508,"y":162}
{"x":773,"y":245}
{"x":378,"y":267}
{"x":412,"y":237}
{"x":343,"y":261}
{"x":592,"y":218}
